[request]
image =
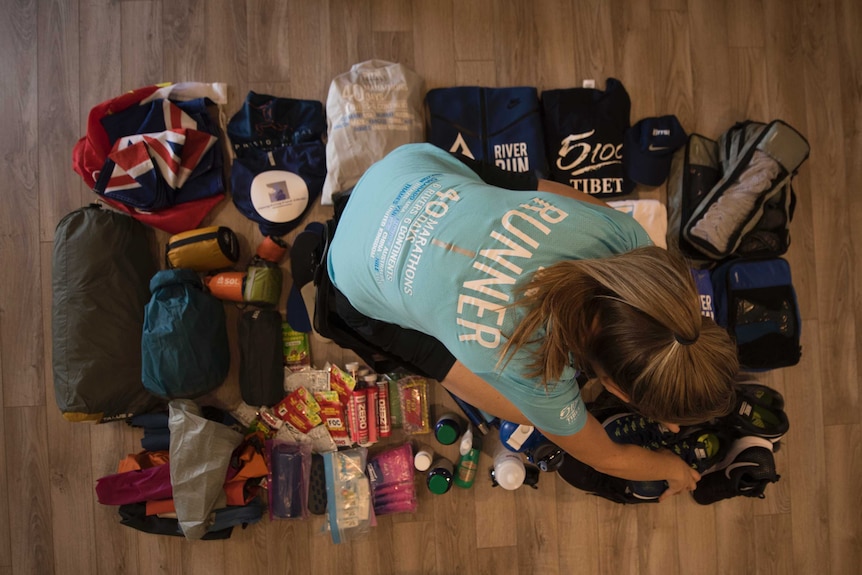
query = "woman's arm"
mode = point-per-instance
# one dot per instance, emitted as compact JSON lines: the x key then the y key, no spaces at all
{"x":591,"y":445}
{"x":569,"y":192}
{"x":478,"y":392}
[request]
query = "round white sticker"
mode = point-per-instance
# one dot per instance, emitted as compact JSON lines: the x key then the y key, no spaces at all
{"x":279,"y":196}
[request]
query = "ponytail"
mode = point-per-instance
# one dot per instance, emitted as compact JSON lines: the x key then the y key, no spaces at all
{"x":636,"y":317}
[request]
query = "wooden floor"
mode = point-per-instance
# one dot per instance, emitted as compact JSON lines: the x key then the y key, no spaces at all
{"x":710,"y":62}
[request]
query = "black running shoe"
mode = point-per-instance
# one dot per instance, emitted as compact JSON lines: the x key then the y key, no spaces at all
{"x":760,"y":394}
{"x":746,"y":471}
{"x":583,"y":477}
{"x":759,"y":412}
{"x":646,"y":491}
{"x":635,"y":429}
{"x":699,"y":446}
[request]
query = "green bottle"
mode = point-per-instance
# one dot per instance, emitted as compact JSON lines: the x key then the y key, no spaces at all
{"x":468,"y":463}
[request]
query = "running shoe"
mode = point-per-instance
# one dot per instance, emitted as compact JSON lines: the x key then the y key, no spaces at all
{"x":758,"y":412}
{"x":645,"y":491}
{"x":702,"y":447}
{"x":635,"y":429}
{"x":699,"y":446}
{"x":745,"y":471}
{"x":761,"y":395}
{"x":583,"y":477}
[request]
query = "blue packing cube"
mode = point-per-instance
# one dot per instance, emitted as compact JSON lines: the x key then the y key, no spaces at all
{"x":756,"y":302}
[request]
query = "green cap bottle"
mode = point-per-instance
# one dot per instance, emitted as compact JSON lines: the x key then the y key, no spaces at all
{"x":439,"y":478}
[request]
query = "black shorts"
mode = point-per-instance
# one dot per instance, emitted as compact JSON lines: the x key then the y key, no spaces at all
{"x":417,"y":352}
{"x":383,"y":346}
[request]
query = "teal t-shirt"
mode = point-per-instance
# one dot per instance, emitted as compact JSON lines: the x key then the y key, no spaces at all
{"x":425,"y":244}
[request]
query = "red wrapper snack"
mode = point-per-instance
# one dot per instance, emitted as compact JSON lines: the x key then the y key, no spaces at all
{"x":299,"y":409}
{"x":341,"y":382}
{"x":333,"y":416}
{"x":413,"y":399}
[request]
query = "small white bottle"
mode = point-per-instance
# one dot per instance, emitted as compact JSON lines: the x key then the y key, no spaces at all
{"x":509,"y":469}
{"x":422,"y":459}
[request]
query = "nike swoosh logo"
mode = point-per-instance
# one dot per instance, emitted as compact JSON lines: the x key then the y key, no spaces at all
{"x":733,"y":466}
{"x":653,"y":148}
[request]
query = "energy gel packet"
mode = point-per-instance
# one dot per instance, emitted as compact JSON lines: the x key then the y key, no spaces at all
{"x":413,"y":399}
{"x":333,"y":416}
{"x":299,"y":409}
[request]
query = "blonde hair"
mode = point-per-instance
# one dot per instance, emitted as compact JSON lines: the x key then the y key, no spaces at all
{"x":636,"y":317}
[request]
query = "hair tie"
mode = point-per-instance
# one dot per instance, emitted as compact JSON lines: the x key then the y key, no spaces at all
{"x":683,"y":341}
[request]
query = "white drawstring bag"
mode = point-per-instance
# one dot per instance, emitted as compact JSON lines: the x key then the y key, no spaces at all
{"x":372,"y":109}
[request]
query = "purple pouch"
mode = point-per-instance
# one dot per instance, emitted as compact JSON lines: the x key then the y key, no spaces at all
{"x":290,"y":468}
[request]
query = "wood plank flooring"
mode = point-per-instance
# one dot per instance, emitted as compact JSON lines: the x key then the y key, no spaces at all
{"x":711,"y":63}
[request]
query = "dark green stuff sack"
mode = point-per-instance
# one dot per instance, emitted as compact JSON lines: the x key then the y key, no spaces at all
{"x":101,"y":267}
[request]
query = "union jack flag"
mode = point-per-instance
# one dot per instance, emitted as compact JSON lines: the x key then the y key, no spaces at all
{"x":145,"y":170}
{"x":169,"y":181}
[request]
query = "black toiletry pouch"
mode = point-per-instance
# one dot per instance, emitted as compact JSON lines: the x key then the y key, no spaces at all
{"x":261,"y":368}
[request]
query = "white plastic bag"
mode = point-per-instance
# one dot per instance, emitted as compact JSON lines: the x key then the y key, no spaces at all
{"x":200,"y":453}
{"x":374,"y":108}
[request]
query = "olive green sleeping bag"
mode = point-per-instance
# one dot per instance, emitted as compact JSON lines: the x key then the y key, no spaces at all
{"x":101,"y":268}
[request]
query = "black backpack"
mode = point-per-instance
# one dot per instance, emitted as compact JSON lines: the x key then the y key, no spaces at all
{"x":335,"y":318}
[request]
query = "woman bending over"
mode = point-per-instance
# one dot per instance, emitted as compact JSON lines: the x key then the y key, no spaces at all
{"x":524,"y":289}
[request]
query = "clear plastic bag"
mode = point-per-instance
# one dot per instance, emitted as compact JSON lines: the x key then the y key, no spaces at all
{"x":348,"y":494}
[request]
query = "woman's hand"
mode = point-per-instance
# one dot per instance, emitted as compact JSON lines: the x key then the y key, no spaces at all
{"x":683,"y":477}
{"x":593,"y":447}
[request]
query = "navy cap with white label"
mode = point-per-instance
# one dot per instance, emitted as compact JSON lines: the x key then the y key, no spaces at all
{"x":649,"y":148}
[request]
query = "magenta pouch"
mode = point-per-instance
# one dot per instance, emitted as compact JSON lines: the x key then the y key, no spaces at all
{"x":135,"y":486}
{"x":391,"y":474}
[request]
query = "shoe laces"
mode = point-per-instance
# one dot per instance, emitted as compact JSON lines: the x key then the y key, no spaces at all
{"x":638,"y":430}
